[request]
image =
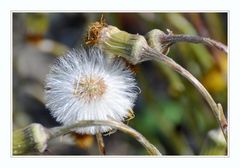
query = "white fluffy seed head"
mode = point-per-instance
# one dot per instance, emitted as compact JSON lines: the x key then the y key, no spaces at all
{"x":85,"y":85}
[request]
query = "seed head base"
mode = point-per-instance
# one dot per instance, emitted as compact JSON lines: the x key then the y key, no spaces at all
{"x":89,"y":88}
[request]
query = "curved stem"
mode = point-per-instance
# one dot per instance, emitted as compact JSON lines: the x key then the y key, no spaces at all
{"x":170,"y":38}
{"x":152,"y":54}
{"x":58,"y":131}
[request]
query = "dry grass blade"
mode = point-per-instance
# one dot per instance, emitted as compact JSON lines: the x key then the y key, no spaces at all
{"x":100,"y":143}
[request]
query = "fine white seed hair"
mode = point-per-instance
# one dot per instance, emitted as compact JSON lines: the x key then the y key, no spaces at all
{"x":116,"y":98}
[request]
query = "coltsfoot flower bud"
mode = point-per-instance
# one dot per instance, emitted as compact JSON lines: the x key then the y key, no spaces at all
{"x":86,"y":85}
{"x":33,"y":138}
{"x":154,"y":41}
{"x":117,"y":42}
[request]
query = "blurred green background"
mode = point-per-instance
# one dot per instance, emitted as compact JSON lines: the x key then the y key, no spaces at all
{"x":170,"y":113}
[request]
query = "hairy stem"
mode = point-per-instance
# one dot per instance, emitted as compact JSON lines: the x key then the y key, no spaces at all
{"x":217,"y":110}
{"x":58,"y":131}
{"x":170,"y":38}
{"x":100,"y":143}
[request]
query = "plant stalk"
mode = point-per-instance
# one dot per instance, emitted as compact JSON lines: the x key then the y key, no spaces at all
{"x":151,"y":149}
{"x":152,"y":54}
{"x":170,"y":38}
{"x":100,"y":143}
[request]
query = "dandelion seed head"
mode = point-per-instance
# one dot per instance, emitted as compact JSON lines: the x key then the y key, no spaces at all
{"x":86,"y":85}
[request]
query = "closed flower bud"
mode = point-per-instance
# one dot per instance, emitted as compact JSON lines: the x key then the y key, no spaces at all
{"x":117,"y":42}
{"x":154,"y":39}
{"x":31,"y":139}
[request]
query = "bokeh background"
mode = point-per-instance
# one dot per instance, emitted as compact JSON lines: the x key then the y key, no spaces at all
{"x":170,"y":113}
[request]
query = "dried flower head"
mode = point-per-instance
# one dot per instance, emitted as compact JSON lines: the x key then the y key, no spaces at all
{"x":85,"y":85}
